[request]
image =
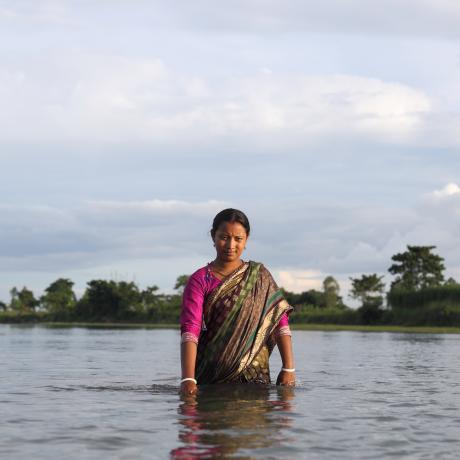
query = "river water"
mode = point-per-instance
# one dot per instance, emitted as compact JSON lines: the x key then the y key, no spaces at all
{"x":112,"y":393}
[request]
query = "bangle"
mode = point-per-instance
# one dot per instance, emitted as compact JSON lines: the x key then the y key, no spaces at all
{"x":188,"y":378}
{"x":287,"y":370}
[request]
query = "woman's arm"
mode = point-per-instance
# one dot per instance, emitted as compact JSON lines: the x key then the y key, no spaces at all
{"x":284,"y":343}
{"x":188,"y":361}
{"x":190,"y":319}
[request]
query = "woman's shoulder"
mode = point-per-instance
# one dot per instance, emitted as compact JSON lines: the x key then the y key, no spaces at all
{"x":201,"y":276}
{"x":200,"y":272}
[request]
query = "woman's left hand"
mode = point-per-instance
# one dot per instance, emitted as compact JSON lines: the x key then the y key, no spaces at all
{"x":286,"y":379}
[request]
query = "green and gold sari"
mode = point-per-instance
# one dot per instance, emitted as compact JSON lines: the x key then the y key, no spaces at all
{"x":240,"y":316}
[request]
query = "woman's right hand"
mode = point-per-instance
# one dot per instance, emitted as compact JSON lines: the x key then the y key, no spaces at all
{"x":188,"y":388}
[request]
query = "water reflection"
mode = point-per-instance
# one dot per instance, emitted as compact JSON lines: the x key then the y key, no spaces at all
{"x":224,"y":419}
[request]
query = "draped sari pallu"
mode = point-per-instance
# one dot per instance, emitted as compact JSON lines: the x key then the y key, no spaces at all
{"x":240,"y":318}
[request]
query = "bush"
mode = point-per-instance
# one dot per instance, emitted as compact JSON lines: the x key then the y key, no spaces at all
{"x":400,"y":298}
{"x":18,"y":317}
{"x":370,"y":313}
{"x":433,"y":314}
{"x":324,"y":316}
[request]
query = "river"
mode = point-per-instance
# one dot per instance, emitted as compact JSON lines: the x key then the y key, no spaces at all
{"x":112,"y":393}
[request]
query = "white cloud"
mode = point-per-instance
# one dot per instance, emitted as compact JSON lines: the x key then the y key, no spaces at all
{"x":112,"y":99}
{"x":449,"y":190}
{"x":299,"y":280}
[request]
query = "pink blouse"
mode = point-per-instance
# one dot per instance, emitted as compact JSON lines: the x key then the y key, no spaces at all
{"x":198,"y":287}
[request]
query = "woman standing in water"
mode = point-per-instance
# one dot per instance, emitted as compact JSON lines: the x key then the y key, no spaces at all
{"x":233,"y":314}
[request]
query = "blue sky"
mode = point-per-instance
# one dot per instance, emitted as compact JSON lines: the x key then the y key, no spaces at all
{"x":125,"y":126}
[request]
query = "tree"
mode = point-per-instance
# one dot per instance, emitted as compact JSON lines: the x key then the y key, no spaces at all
{"x":149,"y":295}
{"x":181,"y":283}
{"x":331,"y":290}
{"x":311,"y":298}
{"x":3,"y":306}
{"x":368,"y":289}
{"x":109,"y":300}
{"x":417,"y":268}
{"x":150,"y":299}
{"x":451,"y":282}
{"x":23,"y":300}
{"x":14,"y":302}
{"x":59,"y":297}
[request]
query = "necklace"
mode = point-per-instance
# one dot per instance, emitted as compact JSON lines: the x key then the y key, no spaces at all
{"x":225,"y":274}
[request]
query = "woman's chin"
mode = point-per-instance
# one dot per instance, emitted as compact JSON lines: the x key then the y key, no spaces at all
{"x":229,"y":257}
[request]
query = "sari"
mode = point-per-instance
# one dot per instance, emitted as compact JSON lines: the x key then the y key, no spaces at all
{"x":240,"y":317}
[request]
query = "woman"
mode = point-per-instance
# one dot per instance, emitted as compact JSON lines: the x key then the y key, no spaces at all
{"x":233,"y":314}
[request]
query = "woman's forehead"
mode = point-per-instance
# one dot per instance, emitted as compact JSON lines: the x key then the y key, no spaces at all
{"x":234,"y":228}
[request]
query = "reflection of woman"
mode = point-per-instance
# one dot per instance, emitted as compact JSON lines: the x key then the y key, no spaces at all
{"x":233,"y":314}
{"x":223,"y":419}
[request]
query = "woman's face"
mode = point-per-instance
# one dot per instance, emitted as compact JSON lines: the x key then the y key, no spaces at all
{"x":230,"y":240}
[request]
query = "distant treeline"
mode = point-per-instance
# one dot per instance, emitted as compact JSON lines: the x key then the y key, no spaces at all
{"x":102,"y":301}
{"x":418,"y":296}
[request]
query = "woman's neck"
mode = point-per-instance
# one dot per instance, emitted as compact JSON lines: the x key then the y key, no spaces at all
{"x":224,"y":268}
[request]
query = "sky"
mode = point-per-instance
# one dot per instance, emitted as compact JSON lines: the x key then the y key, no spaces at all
{"x":125,"y":126}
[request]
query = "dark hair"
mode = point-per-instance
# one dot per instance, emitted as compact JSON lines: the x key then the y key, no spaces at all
{"x":230,"y":215}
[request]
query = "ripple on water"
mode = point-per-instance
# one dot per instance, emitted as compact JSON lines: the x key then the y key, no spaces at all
{"x":115,"y":395}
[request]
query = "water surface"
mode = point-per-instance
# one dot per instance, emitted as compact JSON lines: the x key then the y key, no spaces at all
{"x":112,"y":393}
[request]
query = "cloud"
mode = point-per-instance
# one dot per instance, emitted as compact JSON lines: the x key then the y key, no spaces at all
{"x":349,"y":241}
{"x":47,"y":238}
{"x":299,"y":280}
{"x":44,"y":12}
{"x":387,"y":17}
{"x":147,"y":213}
{"x":449,"y":190}
{"x":323,"y":239}
{"x":119,"y":99}
{"x":443,"y":205}
{"x":301,"y":251}
{"x":7,"y":14}
{"x":424,"y":18}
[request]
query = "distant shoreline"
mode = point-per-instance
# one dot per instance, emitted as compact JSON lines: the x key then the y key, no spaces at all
{"x":295,"y":327}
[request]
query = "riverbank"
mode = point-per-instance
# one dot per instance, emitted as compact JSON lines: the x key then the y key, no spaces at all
{"x":298,"y":327}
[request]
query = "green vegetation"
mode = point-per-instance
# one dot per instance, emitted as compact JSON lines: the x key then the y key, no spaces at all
{"x":417,"y":268}
{"x":418,"y":297}
{"x":102,"y":302}
{"x":369,"y":289}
